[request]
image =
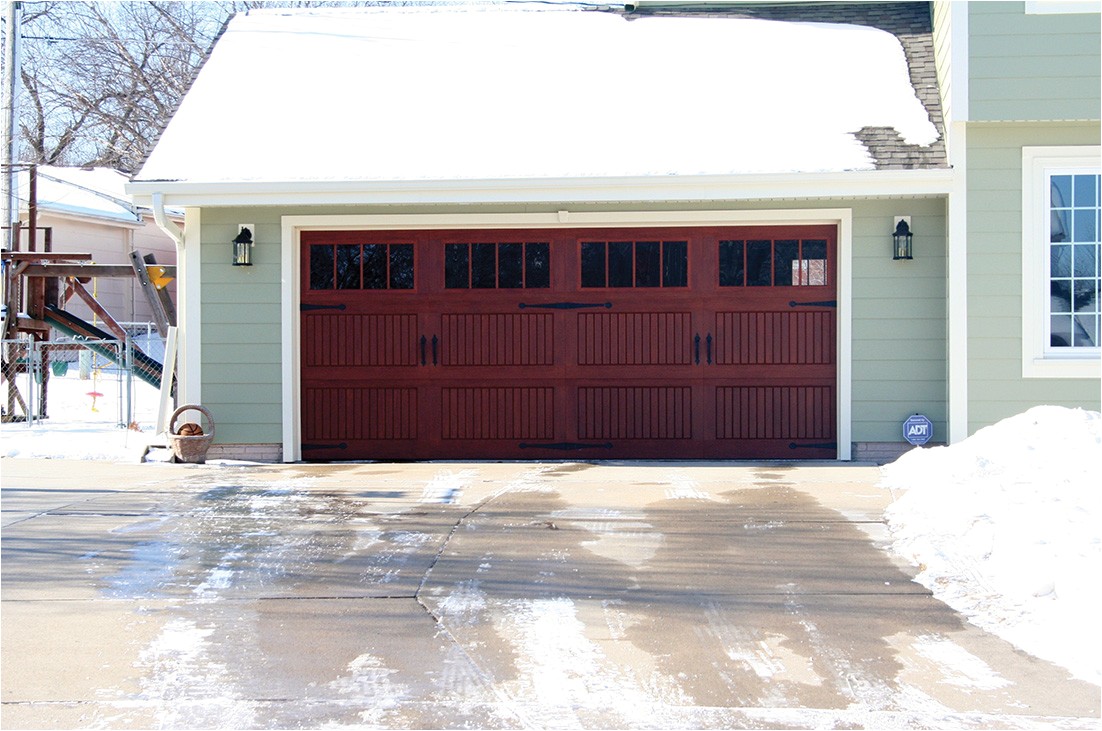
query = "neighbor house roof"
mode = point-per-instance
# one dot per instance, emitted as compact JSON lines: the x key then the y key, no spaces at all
{"x":93,"y":193}
{"x":469,"y":93}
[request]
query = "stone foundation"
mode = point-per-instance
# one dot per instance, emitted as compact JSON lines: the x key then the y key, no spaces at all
{"x":882,"y":452}
{"x":247,"y":452}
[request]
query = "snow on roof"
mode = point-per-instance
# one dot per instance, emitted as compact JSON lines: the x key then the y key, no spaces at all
{"x":452,"y":93}
{"x":96,"y":192}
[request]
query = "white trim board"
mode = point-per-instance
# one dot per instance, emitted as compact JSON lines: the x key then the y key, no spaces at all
{"x":293,"y":226}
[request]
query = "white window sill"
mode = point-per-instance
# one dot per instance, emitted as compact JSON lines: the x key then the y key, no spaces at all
{"x":1082,"y":367}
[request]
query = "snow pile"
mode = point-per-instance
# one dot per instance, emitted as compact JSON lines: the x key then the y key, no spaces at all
{"x":1006,"y":527}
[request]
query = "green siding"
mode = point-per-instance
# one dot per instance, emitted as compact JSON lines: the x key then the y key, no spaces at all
{"x":996,"y":388}
{"x":898,"y":316}
{"x":1032,"y":67}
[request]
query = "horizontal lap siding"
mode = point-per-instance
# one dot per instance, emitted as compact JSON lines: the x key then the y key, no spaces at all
{"x":1025,"y":67}
{"x":899,"y":321}
{"x":996,"y":389}
{"x":241,"y":350}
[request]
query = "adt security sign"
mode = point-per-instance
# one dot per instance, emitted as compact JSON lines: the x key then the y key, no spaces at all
{"x":918,"y":429}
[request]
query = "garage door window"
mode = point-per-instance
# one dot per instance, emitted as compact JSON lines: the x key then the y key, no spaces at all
{"x":635,"y":263}
{"x":497,"y":266}
{"x":765,"y":263}
{"x":361,"y":266}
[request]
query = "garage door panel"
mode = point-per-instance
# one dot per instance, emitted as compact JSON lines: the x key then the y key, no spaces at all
{"x":774,"y":338}
{"x":359,"y":340}
{"x":634,"y":338}
{"x":782,"y":412}
{"x":497,"y":339}
{"x":341,"y":412}
{"x":635,"y":412}
{"x":511,"y":413}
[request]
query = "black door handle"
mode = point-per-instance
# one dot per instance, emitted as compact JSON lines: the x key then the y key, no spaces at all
{"x":435,"y":343}
{"x":708,"y":342}
{"x":696,"y":349}
{"x":423,"y":340}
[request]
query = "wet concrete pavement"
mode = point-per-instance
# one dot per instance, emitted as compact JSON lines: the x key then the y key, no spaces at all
{"x":515,"y":595}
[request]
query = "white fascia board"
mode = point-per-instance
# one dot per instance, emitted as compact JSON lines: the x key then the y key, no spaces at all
{"x":868,"y":183}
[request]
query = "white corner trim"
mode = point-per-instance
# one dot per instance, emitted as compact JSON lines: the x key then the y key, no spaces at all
{"x":844,"y":323}
{"x":957,"y":242}
{"x":293,"y":226}
{"x":189,"y":313}
{"x":1036,"y":161}
{"x":291,"y":366}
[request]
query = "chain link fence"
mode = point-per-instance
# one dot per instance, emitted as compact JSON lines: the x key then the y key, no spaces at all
{"x":73,"y":380}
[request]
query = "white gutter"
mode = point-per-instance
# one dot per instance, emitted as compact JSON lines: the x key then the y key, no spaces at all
{"x":862,"y":183}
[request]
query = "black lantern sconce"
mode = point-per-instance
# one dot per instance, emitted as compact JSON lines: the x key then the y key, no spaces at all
{"x":902,"y":238}
{"x":243,"y":246}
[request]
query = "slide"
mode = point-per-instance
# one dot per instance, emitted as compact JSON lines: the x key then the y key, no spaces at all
{"x":145,"y":367}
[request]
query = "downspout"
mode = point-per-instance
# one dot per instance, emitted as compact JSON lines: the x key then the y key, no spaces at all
{"x":170,"y":365}
{"x":169,"y":227}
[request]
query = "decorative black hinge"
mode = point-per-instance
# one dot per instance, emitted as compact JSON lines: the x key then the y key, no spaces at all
{"x":566,"y":446}
{"x":823,"y":303}
{"x":566,"y":305}
{"x":342,"y":445}
{"x":308,"y":308}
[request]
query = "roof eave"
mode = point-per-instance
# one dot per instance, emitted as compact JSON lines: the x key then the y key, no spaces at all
{"x":866,"y":183}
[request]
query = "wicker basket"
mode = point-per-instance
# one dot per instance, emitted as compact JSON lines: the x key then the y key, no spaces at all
{"x":191,"y":449}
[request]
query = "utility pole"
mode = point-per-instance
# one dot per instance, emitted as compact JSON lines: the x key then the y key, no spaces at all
{"x":9,"y":120}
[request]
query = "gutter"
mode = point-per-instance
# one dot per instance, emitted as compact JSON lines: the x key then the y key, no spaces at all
{"x":646,"y":188}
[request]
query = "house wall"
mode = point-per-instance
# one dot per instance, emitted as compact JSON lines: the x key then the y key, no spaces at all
{"x":110,"y":244}
{"x":995,"y":384}
{"x":898,"y":315}
{"x":1030,"y":67}
{"x":1033,"y":80}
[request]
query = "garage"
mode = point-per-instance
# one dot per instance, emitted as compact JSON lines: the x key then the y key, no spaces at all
{"x":601,"y":343}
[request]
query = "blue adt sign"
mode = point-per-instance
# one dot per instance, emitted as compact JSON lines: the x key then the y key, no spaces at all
{"x":918,"y":429}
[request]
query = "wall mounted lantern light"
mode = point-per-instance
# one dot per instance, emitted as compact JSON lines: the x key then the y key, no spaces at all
{"x":243,"y":246}
{"x":902,"y":238}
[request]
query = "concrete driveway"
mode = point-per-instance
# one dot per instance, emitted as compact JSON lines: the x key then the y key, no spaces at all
{"x":517,"y":595}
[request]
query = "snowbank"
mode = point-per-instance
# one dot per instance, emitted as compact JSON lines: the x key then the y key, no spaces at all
{"x":1006,"y":527}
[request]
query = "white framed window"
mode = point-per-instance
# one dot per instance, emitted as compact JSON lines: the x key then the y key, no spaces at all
{"x":1061,"y":260}
{"x":1060,"y":7}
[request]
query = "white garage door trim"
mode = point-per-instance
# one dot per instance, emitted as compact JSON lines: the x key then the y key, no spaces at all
{"x":292,"y":226}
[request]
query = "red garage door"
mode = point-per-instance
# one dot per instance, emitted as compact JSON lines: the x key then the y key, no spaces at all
{"x":569,"y":343}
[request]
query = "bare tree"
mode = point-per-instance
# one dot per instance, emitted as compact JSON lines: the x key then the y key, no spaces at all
{"x":101,"y":79}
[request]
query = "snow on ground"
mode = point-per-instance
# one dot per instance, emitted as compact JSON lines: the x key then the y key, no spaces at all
{"x":1006,"y":527}
{"x":88,"y":419}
